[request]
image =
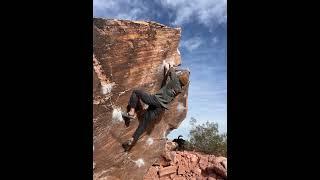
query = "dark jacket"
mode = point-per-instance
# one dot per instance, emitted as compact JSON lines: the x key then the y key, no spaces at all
{"x":171,"y":89}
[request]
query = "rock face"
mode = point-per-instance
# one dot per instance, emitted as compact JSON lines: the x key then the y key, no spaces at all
{"x":130,"y":55}
{"x":177,"y":165}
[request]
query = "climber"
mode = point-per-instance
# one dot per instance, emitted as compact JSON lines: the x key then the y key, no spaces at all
{"x":180,"y":142}
{"x":157,"y":103}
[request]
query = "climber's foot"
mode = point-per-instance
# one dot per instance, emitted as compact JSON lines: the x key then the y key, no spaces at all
{"x":127,"y":121}
{"x":129,"y":116}
{"x":127,"y":145}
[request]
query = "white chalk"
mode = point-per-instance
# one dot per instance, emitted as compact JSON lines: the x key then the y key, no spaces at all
{"x":106,"y":88}
{"x":150,"y":141}
{"x":164,"y":134}
{"x":116,"y":115}
{"x":139,"y":162}
{"x":180,"y":107}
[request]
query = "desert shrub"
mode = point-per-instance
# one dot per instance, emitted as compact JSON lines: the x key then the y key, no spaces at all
{"x":207,"y":139}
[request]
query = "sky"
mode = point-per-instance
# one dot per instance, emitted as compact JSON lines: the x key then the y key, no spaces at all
{"x":202,"y":47}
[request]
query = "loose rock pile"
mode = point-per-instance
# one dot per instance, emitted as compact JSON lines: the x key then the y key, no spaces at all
{"x":178,"y":165}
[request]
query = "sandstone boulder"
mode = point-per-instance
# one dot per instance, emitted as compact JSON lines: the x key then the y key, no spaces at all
{"x":130,"y":55}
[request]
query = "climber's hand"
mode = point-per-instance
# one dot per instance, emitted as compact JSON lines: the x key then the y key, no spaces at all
{"x":182,"y":70}
{"x":166,"y":67}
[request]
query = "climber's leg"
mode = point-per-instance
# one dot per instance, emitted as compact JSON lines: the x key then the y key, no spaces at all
{"x":151,"y":114}
{"x":144,"y":97}
{"x":142,"y":125}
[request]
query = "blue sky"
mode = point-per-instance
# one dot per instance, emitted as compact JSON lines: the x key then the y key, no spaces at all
{"x":202,"y":47}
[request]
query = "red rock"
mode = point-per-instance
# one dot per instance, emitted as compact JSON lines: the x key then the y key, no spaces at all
{"x":105,"y":177}
{"x":173,"y":175}
{"x":203,"y":163}
{"x":193,"y":161}
{"x":167,"y":170}
{"x":213,"y":175}
{"x":128,"y":55}
{"x":170,"y":146}
{"x":194,"y":158}
{"x":179,"y":178}
{"x":169,"y":156}
{"x":165,"y":178}
{"x":219,"y":170}
{"x":211,"y":158}
{"x":172,"y":155}
{"x":197,"y":171}
{"x":193,"y":165}
{"x":219,"y":159}
{"x":224,"y":164}
{"x":211,"y":178}
{"x":153,"y":178}
{"x":184,"y":161}
{"x":177,"y":158}
{"x":190,"y":169}
{"x":201,"y":178}
{"x":152,"y":173}
{"x":181,"y":169}
{"x":157,"y":162}
{"x":163,"y":162}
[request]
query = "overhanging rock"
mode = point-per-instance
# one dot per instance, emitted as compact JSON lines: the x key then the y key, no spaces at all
{"x":130,"y":55}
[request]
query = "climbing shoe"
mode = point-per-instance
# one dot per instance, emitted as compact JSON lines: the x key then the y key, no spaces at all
{"x":127,"y":145}
{"x":128,"y":116}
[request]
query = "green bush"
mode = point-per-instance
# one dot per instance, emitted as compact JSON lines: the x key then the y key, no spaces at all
{"x":206,"y":138}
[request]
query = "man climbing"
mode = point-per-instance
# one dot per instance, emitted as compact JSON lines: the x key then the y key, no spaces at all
{"x":175,"y":79}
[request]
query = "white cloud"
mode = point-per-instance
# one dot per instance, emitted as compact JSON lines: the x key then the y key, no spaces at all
{"x":215,"y":40}
{"x":119,"y":9}
{"x":206,"y":12}
{"x":192,"y":43}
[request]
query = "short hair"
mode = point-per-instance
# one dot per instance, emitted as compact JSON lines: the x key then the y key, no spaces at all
{"x":184,"y":79}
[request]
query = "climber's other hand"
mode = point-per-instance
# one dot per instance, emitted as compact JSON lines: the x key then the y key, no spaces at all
{"x":166,"y":66}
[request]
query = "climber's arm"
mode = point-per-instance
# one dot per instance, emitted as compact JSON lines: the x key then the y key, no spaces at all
{"x":170,"y":74}
{"x":167,"y":73}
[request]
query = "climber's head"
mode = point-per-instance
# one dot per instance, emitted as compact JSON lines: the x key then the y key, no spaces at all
{"x":184,"y":77}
